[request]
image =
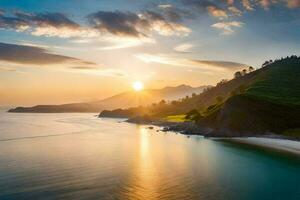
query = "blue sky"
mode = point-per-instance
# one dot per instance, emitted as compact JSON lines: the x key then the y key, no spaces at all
{"x":159,"y":42}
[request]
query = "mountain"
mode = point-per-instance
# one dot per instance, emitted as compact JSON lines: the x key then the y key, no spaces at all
{"x":257,"y":102}
{"x":123,"y":100}
{"x":147,"y":97}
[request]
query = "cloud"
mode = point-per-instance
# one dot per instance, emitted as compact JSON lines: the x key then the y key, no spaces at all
{"x":100,"y":24}
{"x":293,"y":3}
{"x":235,"y":11}
{"x":200,"y":5}
{"x":27,"y":56}
{"x":135,"y":25}
{"x":108,"y":72}
{"x":117,"y":23}
{"x":30,"y":55}
{"x":217,"y":12}
{"x":230,"y":2}
{"x":45,"y":24}
{"x":47,"y":19}
{"x":112,"y":42}
{"x":175,"y":14}
{"x":227,"y":27}
{"x":7,"y":69}
{"x":13,"y":23}
{"x":265,"y":4}
{"x":248,"y":5}
{"x":164,"y":6}
{"x":190,"y":63}
{"x":221,"y":64}
{"x":83,"y":67}
{"x":183,"y":48}
{"x":217,"y":9}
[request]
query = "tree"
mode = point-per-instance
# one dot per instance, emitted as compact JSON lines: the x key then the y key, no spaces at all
{"x":265,"y":63}
{"x":223,"y":81}
{"x":193,"y":115}
{"x":233,"y":93}
{"x":244,"y":72}
{"x":242,"y":89}
{"x":208,"y":88}
{"x":174,"y":102}
{"x":250,"y":69}
{"x":162,"y":102}
{"x":237,"y":74}
{"x":194,"y":95}
{"x":294,"y":56}
{"x":219,"y":99}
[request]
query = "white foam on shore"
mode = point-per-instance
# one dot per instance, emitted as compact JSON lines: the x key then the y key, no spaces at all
{"x":274,"y":143}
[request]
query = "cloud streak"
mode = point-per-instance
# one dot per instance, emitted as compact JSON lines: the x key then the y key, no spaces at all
{"x":30,"y":55}
{"x":33,"y":56}
{"x":190,"y":63}
{"x":7,"y":69}
{"x":184,"y":48}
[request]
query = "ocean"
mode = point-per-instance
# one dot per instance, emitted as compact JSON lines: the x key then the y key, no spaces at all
{"x":79,"y":156}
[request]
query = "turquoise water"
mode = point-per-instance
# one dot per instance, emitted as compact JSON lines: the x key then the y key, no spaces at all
{"x":77,"y":156}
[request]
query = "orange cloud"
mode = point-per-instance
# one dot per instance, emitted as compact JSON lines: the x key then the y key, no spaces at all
{"x":227,"y":27}
{"x":217,"y":12}
{"x":293,"y":3}
{"x":248,"y":5}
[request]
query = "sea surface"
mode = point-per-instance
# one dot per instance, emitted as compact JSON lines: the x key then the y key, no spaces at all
{"x":78,"y":156}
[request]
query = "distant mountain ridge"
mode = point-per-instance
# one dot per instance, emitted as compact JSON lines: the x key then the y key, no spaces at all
{"x":122,"y":100}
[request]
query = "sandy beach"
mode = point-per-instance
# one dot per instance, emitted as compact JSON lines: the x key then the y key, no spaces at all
{"x":274,"y":143}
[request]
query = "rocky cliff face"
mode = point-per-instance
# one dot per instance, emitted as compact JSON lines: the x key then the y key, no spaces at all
{"x":246,"y":115}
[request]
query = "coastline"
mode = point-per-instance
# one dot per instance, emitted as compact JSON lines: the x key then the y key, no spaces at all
{"x":280,"y":144}
{"x":275,"y":142}
{"x":270,"y":141}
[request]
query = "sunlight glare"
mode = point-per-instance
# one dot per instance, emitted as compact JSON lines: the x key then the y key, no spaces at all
{"x":138,"y":86}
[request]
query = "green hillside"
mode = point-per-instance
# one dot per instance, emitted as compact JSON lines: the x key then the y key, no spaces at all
{"x":279,"y":83}
{"x":270,"y":103}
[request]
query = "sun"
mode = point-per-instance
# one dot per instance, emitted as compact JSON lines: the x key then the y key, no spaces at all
{"x":138,"y":86}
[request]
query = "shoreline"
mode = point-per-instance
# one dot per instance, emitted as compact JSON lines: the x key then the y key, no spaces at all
{"x":270,"y":141}
{"x":279,"y":144}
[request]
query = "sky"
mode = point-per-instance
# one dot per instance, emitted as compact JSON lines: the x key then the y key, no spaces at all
{"x":61,"y":51}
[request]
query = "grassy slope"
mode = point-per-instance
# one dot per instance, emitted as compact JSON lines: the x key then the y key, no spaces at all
{"x":271,"y":102}
{"x":280,"y":84}
{"x":175,"y":118}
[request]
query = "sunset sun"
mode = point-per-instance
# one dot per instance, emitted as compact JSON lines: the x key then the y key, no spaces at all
{"x":138,"y":86}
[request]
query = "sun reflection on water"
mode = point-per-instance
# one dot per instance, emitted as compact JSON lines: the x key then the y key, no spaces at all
{"x":144,"y":142}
